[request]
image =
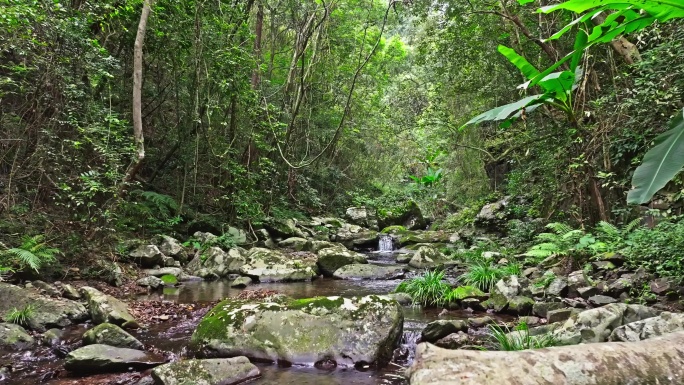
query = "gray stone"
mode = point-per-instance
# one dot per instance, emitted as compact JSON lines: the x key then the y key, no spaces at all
{"x":520,"y":305}
{"x":103,"y":358}
{"x":296,"y":244}
{"x":586,"y":292}
{"x":46,"y":288}
{"x":15,"y":337}
{"x":151,"y":282}
{"x":654,"y":361}
{"x":480,"y":322}
{"x":345,"y":330}
{"x":436,"y":330}
{"x":530,"y":320}
{"x":404,"y":258}
{"x":454,"y":341}
{"x":267,"y":265}
{"x":112,"y":335}
{"x":362,"y":216}
{"x":146,"y":256}
{"x":217,"y":371}
{"x":649,"y":328}
{"x":168,"y":261}
{"x":214,"y":262}
{"x":175,"y":271}
{"x":241,"y":282}
{"x":504,"y":290}
{"x":560,"y":315}
{"x":557,"y":288}
{"x":404,"y":299}
{"x":577,"y":279}
{"x":542,"y":309}
{"x":603,"y":265}
{"x":660,"y":286}
{"x":173,"y":248}
{"x":600,"y":300}
{"x":317,"y":246}
{"x":621,"y":285}
{"x":332,"y":258}
{"x":70,"y":292}
{"x":493,"y":216}
{"x":427,"y":257}
{"x":473,"y":304}
{"x":47,"y":312}
{"x":105,"y":308}
{"x":367,"y":271}
{"x":52,"y":337}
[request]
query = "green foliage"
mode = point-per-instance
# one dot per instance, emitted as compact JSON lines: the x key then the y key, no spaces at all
{"x":484,"y":275}
{"x":33,"y":253}
{"x":613,"y":237}
{"x":429,"y":179}
{"x":20,"y":316}
{"x":565,"y":241}
{"x":519,"y":339}
{"x":658,"y":250}
{"x":461,"y":293}
{"x":169,"y":279}
{"x":522,"y":233}
{"x":428,"y":290}
{"x":545,"y":280}
{"x":149,"y":211}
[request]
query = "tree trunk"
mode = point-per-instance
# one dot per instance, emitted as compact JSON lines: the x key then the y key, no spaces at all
{"x":137,"y":96}
{"x":257,"y":43}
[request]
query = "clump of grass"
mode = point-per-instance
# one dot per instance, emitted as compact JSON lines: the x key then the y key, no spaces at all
{"x":484,"y":275}
{"x":519,"y":339}
{"x":169,"y":279}
{"x":20,"y":316}
{"x":428,"y":290}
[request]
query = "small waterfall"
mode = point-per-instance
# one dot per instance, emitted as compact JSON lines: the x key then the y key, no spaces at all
{"x":406,"y":352}
{"x":386,"y":243}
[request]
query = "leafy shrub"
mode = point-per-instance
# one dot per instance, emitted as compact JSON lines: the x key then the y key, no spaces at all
{"x":484,"y":275}
{"x":150,"y":211}
{"x":20,"y":316}
{"x":564,"y":241}
{"x":428,"y":290}
{"x":614,"y":237}
{"x":169,"y":279}
{"x":519,"y":338}
{"x":33,"y":253}
{"x":521,"y":234}
{"x":658,"y":250}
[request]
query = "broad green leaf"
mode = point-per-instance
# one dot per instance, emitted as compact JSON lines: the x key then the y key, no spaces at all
{"x":523,"y":65}
{"x":506,"y":111}
{"x":580,"y":41}
{"x":584,"y":18}
{"x":523,"y":2}
{"x":661,"y":163}
{"x":662,"y":10}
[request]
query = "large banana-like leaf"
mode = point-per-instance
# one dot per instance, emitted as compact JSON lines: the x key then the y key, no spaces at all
{"x":506,"y":111}
{"x":662,"y":10}
{"x":661,"y":163}
{"x":523,"y":65}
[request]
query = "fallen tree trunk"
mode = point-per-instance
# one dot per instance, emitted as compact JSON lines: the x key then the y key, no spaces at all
{"x":654,"y":361}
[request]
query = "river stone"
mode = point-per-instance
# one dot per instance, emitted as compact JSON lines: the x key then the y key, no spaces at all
{"x":416,"y":237}
{"x":557,"y":288}
{"x":427,"y":257}
{"x":112,"y":335}
{"x":651,"y":327}
{"x":214,"y":262}
{"x":362,"y":216}
{"x":371,"y":272}
{"x":217,"y":371}
{"x":541,"y":309}
{"x":600,"y":300}
{"x":175,"y":271}
{"x":348,"y":331}
{"x":47,"y":312}
{"x":404,"y":299}
{"x":151,"y":281}
{"x":647,"y":362}
{"x":332,"y":258}
{"x":296,"y":244}
{"x":52,"y":337}
{"x":46,"y":288}
{"x":586,"y":292}
{"x":454,"y":341}
{"x":173,"y":248}
{"x":147,"y":256}
{"x":317,"y":246}
{"x":283,"y":228}
{"x":560,"y":315}
{"x":436,"y":330}
{"x":70,"y":292}
{"x":480,"y":322}
{"x":596,"y":325}
{"x":103,"y":358}
{"x":520,"y":305}
{"x":15,"y":337}
{"x":267,"y":265}
{"x":241,"y":282}
{"x":505,"y":290}
{"x":105,"y":308}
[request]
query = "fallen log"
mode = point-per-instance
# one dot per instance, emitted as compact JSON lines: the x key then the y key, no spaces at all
{"x":654,"y":361}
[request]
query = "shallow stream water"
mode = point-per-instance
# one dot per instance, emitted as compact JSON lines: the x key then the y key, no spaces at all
{"x":173,"y":336}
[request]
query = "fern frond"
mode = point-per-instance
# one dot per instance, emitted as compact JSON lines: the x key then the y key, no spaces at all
{"x":609,"y":230}
{"x":559,"y":228}
{"x":549,"y":237}
{"x":161,"y":203}
{"x":573,"y":234}
{"x":26,"y":257}
{"x":633,"y":225}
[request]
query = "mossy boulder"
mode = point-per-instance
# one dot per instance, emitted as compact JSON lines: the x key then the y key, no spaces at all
{"x":216,"y":263}
{"x":362,"y":216}
{"x":407,"y":215}
{"x":427,"y":257}
{"x":332,"y":258}
{"x":15,"y":337}
{"x":296,"y":244}
{"x":267,"y":265}
{"x":349,"y":331}
{"x":520,"y":305}
{"x":394,"y":230}
{"x":47,"y":312}
{"x":112,"y":335}
{"x":463,"y":292}
{"x":355,"y":236}
{"x":416,"y":237}
{"x":107,"y":309}
{"x":216,"y":371}
{"x":283,"y":228}
{"x":358,"y":271}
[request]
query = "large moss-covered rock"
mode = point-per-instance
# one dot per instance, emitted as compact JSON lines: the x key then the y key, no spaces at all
{"x":355,"y":236}
{"x":366,"y":271}
{"x":407,"y":215}
{"x":406,"y":238}
{"x":216,"y":263}
{"x":427,"y":257}
{"x":283,"y":228}
{"x":267,"y":265}
{"x":349,"y":331}
{"x":112,"y":335}
{"x":217,"y":371}
{"x":332,"y":258}
{"x":47,"y":312}
{"x":494,"y":216}
{"x":654,"y":361}
{"x":362,"y":216}
{"x":596,"y":325}
{"x":14,"y":337}
{"x":103,"y":358}
{"x":296,"y":244}
{"x":105,"y":308}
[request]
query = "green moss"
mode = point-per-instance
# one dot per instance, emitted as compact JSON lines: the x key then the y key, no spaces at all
{"x":316,"y":302}
{"x":463,"y":292}
{"x":169,"y":279}
{"x":394,"y":230}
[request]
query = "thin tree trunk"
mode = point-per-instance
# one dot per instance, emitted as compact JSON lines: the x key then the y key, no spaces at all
{"x":137,"y":96}
{"x":257,"y":43}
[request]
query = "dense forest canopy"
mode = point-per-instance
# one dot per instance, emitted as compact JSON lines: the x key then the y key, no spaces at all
{"x":252,"y":109}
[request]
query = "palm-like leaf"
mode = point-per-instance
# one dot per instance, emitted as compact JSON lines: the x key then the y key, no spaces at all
{"x":26,"y":257}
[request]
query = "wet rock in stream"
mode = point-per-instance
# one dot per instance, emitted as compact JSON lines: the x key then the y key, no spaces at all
{"x":218,"y":371}
{"x":103,"y":358}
